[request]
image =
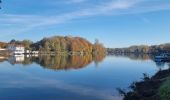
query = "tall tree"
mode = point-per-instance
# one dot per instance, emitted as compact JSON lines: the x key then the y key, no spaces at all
{"x":27,"y":44}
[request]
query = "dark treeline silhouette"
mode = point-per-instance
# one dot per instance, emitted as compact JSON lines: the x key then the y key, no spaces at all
{"x":154,"y":49}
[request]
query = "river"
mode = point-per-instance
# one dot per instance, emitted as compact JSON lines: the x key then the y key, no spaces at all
{"x":72,"y":77}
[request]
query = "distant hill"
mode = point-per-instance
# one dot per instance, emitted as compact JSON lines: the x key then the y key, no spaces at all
{"x":154,"y":49}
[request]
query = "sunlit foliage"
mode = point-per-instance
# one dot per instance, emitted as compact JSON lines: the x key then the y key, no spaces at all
{"x":3,"y":44}
{"x":68,"y":44}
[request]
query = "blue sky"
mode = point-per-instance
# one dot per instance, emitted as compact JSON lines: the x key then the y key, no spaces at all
{"x":116,"y":23}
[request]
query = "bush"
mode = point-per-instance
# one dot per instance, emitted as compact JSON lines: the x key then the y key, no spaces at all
{"x":164,"y":90}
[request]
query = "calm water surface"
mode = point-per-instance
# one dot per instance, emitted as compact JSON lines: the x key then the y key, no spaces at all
{"x":71,"y":78}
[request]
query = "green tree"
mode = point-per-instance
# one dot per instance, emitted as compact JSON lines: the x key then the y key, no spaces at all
{"x":27,"y":44}
{"x":12,"y":41}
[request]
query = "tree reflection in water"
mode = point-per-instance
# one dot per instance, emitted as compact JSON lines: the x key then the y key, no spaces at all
{"x":144,"y":57}
{"x":58,"y":62}
{"x":135,"y":56}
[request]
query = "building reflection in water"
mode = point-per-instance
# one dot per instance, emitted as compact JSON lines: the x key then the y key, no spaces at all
{"x":16,"y":59}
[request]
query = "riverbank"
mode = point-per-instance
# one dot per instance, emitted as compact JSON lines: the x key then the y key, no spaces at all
{"x":4,"y":53}
{"x":154,"y":88}
{"x":7,"y":53}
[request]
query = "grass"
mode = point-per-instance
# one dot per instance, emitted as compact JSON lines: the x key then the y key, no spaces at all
{"x":164,"y":90}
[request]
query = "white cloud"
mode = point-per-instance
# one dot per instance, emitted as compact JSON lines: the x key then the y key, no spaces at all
{"x":76,"y":1}
{"x":21,"y":23}
{"x":34,"y":81}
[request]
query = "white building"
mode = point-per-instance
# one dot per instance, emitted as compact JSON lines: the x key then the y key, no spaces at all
{"x":16,"y":49}
{"x":35,"y":52}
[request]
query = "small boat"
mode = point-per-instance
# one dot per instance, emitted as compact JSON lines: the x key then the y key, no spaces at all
{"x":163,"y":57}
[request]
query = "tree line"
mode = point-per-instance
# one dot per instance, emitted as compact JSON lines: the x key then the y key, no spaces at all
{"x":63,"y":44}
{"x":68,"y":44}
{"x":145,"y":49}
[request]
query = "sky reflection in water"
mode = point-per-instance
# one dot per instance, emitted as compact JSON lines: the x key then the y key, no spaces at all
{"x":71,"y":78}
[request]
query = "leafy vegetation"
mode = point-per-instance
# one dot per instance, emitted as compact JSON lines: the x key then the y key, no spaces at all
{"x":3,"y":45}
{"x":155,"y":88}
{"x":164,"y":91}
{"x":61,"y":44}
{"x":98,"y":48}
{"x":26,"y":43}
{"x":67,"y":44}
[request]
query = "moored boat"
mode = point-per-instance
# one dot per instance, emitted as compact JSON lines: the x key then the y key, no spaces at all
{"x":163,"y":57}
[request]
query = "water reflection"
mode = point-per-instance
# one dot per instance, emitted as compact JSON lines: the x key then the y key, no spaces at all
{"x":3,"y":58}
{"x":91,"y":83}
{"x":134,"y":56}
{"x":58,"y":62}
{"x":144,"y":57}
{"x":66,"y":62}
{"x":16,"y":59}
{"x":160,"y":64}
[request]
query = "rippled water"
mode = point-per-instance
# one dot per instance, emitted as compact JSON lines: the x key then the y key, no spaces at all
{"x":72,"y":77}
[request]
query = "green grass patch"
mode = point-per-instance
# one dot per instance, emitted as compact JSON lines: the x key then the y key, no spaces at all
{"x":164,"y":90}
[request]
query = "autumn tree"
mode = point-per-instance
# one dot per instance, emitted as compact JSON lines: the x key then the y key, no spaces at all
{"x":98,"y":48}
{"x":3,"y":45}
{"x":67,"y":44}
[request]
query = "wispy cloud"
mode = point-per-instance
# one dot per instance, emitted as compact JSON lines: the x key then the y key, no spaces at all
{"x":21,"y":23}
{"x":34,"y":81}
{"x":75,"y":1}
